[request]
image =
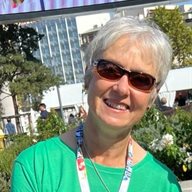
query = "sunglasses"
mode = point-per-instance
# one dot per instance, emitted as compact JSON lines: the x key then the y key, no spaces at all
{"x":113,"y":72}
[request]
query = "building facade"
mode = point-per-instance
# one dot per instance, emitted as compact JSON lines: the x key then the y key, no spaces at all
{"x":59,"y":48}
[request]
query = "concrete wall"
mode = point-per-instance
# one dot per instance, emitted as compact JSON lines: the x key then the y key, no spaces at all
{"x":186,"y":186}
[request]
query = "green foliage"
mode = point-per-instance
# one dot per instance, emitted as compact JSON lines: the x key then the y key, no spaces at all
{"x":7,"y":156}
{"x":168,"y":138}
{"x":4,"y":182}
{"x":182,"y":123}
{"x":152,"y":127}
{"x":51,"y":126}
{"x":180,"y":34}
{"x":19,"y":142}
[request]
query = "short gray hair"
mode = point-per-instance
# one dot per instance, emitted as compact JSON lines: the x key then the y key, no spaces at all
{"x":149,"y":35}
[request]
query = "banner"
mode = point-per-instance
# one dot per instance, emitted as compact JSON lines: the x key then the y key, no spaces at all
{"x":25,"y":6}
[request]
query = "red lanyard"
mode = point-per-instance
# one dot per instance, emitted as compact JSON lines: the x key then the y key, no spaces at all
{"x":81,"y":168}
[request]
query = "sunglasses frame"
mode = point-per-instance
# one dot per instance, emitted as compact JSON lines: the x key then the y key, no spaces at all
{"x":127,"y":72}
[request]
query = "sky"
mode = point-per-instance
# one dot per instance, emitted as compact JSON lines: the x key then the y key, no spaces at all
{"x":86,"y":22}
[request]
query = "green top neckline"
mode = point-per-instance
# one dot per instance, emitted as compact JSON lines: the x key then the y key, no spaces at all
{"x":101,"y":167}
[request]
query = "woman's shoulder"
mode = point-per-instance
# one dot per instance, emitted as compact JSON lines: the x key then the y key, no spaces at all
{"x":69,"y":139}
{"x":158,"y":176}
{"x":39,"y":145}
{"x":44,"y":149}
{"x":150,"y":161}
{"x":155,"y":166}
{"x":158,"y":165}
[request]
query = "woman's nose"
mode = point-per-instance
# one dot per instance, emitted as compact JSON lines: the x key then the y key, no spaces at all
{"x":122,"y":85}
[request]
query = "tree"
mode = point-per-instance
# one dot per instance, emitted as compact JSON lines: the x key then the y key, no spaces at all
{"x":51,"y":126}
{"x":17,"y":39}
{"x":21,"y":74}
{"x":180,"y":34}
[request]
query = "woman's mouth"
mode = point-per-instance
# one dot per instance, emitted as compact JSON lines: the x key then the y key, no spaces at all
{"x":117,"y":106}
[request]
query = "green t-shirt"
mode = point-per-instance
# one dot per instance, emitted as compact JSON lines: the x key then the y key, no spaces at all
{"x":50,"y":166}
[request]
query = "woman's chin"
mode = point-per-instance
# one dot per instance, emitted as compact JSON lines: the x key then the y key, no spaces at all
{"x":114,"y":121}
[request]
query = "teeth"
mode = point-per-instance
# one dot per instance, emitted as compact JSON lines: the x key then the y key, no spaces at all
{"x":116,"y":106}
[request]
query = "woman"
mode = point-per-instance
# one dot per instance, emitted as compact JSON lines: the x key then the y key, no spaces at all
{"x":128,"y":62}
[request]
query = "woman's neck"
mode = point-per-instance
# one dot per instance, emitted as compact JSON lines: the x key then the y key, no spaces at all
{"x":105,"y":146}
{"x":108,"y":146}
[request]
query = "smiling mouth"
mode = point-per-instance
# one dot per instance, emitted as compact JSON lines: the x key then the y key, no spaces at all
{"x":117,"y":106}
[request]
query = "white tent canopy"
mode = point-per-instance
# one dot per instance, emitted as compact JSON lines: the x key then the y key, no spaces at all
{"x":177,"y":80}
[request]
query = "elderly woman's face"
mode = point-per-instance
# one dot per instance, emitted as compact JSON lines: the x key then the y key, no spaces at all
{"x":116,"y":103}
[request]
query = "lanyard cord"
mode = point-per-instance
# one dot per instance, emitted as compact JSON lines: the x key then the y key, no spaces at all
{"x":81,"y":169}
{"x":95,"y":169}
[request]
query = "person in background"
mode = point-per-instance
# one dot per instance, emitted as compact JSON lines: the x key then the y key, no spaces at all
{"x":43,"y":112}
{"x":82,"y":113}
{"x":9,"y":128}
{"x":71,"y":119}
{"x":163,"y":106}
{"x":181,"y":100}
{"x":127,"y":63}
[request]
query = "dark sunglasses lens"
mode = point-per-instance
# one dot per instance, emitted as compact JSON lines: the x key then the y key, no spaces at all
{"x":109,"y":70}
{"x":141,"y":81}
